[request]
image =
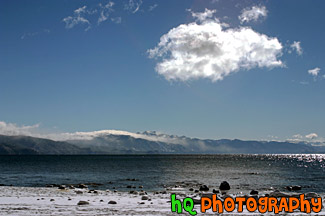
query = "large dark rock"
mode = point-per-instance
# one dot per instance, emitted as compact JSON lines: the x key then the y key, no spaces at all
{"x":296,"y":187}
{"x":204,"y":188}
{"x":253,"y":192}
{"x":224,"y":186}
{"x":83,"y":203}
{"x":112,"y":202}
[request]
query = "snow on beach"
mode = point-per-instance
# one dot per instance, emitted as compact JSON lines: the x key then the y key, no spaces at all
{"x":25,"y":201}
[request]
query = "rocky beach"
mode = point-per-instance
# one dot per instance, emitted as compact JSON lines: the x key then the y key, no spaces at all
{"x":81,"y":200}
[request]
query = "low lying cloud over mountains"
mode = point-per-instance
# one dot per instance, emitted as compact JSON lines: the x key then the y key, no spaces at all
{"x":19,"y":140}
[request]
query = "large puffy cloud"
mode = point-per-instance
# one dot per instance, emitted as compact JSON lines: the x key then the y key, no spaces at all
{"x":252,"y":14}
{"x":209,"y":50}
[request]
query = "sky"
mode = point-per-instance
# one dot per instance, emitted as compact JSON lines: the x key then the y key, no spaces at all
{"x":207,"y":69}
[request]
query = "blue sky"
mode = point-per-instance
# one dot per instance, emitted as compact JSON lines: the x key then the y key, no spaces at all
{"x":77,"y":65}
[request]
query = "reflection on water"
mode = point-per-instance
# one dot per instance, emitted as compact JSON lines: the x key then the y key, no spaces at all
{"x":243,"y":172}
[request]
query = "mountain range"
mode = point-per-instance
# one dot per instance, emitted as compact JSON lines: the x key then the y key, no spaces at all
{"x":147,"y":143}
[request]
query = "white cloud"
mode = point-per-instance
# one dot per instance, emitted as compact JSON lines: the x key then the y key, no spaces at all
{"x":207,"y":14}
{"x":296,"y":47}
{"x":207,"y":50}
{"x":152,"y":7}
{"x":77,"y":18}
{"x":297,"y":136}
{"x":314,"y":72}
{"x":252,"y":14}
{"x":11,"y":129}
{"x":85,"y":16}
{"x":133,"y":5}
{"x":105,"y":11}
{"x":311,"y":136}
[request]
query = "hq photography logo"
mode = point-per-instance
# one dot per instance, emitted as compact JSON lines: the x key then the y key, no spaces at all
{"x":262,"y":205}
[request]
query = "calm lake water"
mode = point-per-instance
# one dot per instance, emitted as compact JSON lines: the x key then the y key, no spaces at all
{"x":243,"y":172}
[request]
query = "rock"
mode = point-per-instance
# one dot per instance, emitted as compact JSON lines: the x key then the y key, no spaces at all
{"x":61,"y":187}
{"x":204,"y":188}
{"x":82,"y":186}
{"x":196,"y":191}
{"x":101,"y":200}
{"x":215,"y":191}
{"x":52,"y":200}
{"x":134,"y":192}
{"x":129,"y":186}
{"x":78,"y":192}
{"x":191,"y":189}
{"x":107,"y":190}
{"x":293,"y":188}
{"x":296,"y":187}
{"x":145,"y":197}
{"x":278,"y":194}
{"x":69,"y":199}
{"x":112,"y":202}
{"x":224,"y":186}
{"x":142,"y":193}
{"x":96,"y":192}
{"x":71,"y":187}
{"x":141,"y":203}
{"x":115,"y":191}
{"x":83,"y":203}
{"x":253,"y":192}
{"x":140,"y":186}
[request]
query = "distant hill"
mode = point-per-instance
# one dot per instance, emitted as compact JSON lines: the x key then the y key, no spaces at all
{"x":25,"y":145}
{"x":148,"y":143}
{"x":181,"y":144}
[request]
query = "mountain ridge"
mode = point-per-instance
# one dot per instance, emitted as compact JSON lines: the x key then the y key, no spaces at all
{"x":154,"y":144}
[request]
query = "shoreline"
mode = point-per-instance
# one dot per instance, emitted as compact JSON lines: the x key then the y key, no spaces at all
{"x":53,"y":201}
